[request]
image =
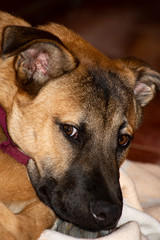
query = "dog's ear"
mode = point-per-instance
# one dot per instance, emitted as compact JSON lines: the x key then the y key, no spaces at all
{"x":40,"y":56}
{"x":147,"y":80}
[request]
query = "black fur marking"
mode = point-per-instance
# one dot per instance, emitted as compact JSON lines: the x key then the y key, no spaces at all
{"x":118,"y":87}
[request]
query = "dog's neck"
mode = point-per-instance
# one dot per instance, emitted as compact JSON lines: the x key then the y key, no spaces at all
{"x":8,"y":146}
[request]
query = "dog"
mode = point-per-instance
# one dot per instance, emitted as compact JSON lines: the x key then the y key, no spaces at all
{"x":71,"y":112}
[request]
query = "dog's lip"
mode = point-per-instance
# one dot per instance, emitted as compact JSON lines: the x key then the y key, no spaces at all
{"x":59,"y":226}
{"x":109,"y":228}
{"x":96,"y":228}
{"x":65,"y":228}
{"x":113,"y":227}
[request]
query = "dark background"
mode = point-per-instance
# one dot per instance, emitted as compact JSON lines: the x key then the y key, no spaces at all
{"x":117,"y":28}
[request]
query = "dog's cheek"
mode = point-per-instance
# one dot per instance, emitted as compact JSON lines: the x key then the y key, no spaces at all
{"x":121,"y":157}
{"x":33,"y":172}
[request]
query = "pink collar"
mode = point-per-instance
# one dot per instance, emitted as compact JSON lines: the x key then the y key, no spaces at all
{"x":8,"y":146}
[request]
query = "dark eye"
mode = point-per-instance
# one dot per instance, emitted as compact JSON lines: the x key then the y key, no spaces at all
{"x":70,"y":131}
{"x":124,"y":140}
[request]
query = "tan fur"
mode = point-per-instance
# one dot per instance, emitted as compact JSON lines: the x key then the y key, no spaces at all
{"x":32,"y":126}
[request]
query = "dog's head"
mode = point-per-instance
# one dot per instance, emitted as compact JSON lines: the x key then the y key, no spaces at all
{"x":74,"y":111}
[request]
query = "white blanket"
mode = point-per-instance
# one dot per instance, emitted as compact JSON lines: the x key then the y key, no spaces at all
{"x":140,"y":218}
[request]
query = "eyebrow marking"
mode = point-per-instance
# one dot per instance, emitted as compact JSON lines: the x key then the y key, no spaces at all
{"x":126,"y":128}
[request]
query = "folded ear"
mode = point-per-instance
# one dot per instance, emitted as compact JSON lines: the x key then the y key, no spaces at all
{"x":147,"y":80}
{"x":40,"y":56}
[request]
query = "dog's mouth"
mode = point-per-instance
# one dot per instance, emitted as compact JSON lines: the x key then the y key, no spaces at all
{"x":74,"y":231}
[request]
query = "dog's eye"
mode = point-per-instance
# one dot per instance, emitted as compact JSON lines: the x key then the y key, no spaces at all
{"x":70,"y":131}
{"x":124,"y":140}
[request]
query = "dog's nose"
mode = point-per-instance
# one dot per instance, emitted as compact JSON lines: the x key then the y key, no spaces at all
{"x":105,"y":214}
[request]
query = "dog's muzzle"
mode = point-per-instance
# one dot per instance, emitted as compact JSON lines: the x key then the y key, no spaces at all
{"x":72,"y":201}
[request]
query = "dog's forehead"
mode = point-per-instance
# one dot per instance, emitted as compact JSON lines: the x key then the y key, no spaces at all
{"x":89,"y":94}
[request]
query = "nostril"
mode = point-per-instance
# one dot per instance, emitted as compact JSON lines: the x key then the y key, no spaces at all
{"x":98,"y":212}
{"x":100,"y":216}
{"x":105,"y":214}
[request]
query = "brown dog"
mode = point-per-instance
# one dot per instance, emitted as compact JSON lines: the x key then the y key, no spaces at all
{"x":74,"y":112}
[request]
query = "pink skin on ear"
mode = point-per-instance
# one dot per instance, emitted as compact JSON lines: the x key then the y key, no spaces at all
{"x":39,"y":61}
{"x":144,"y":93}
